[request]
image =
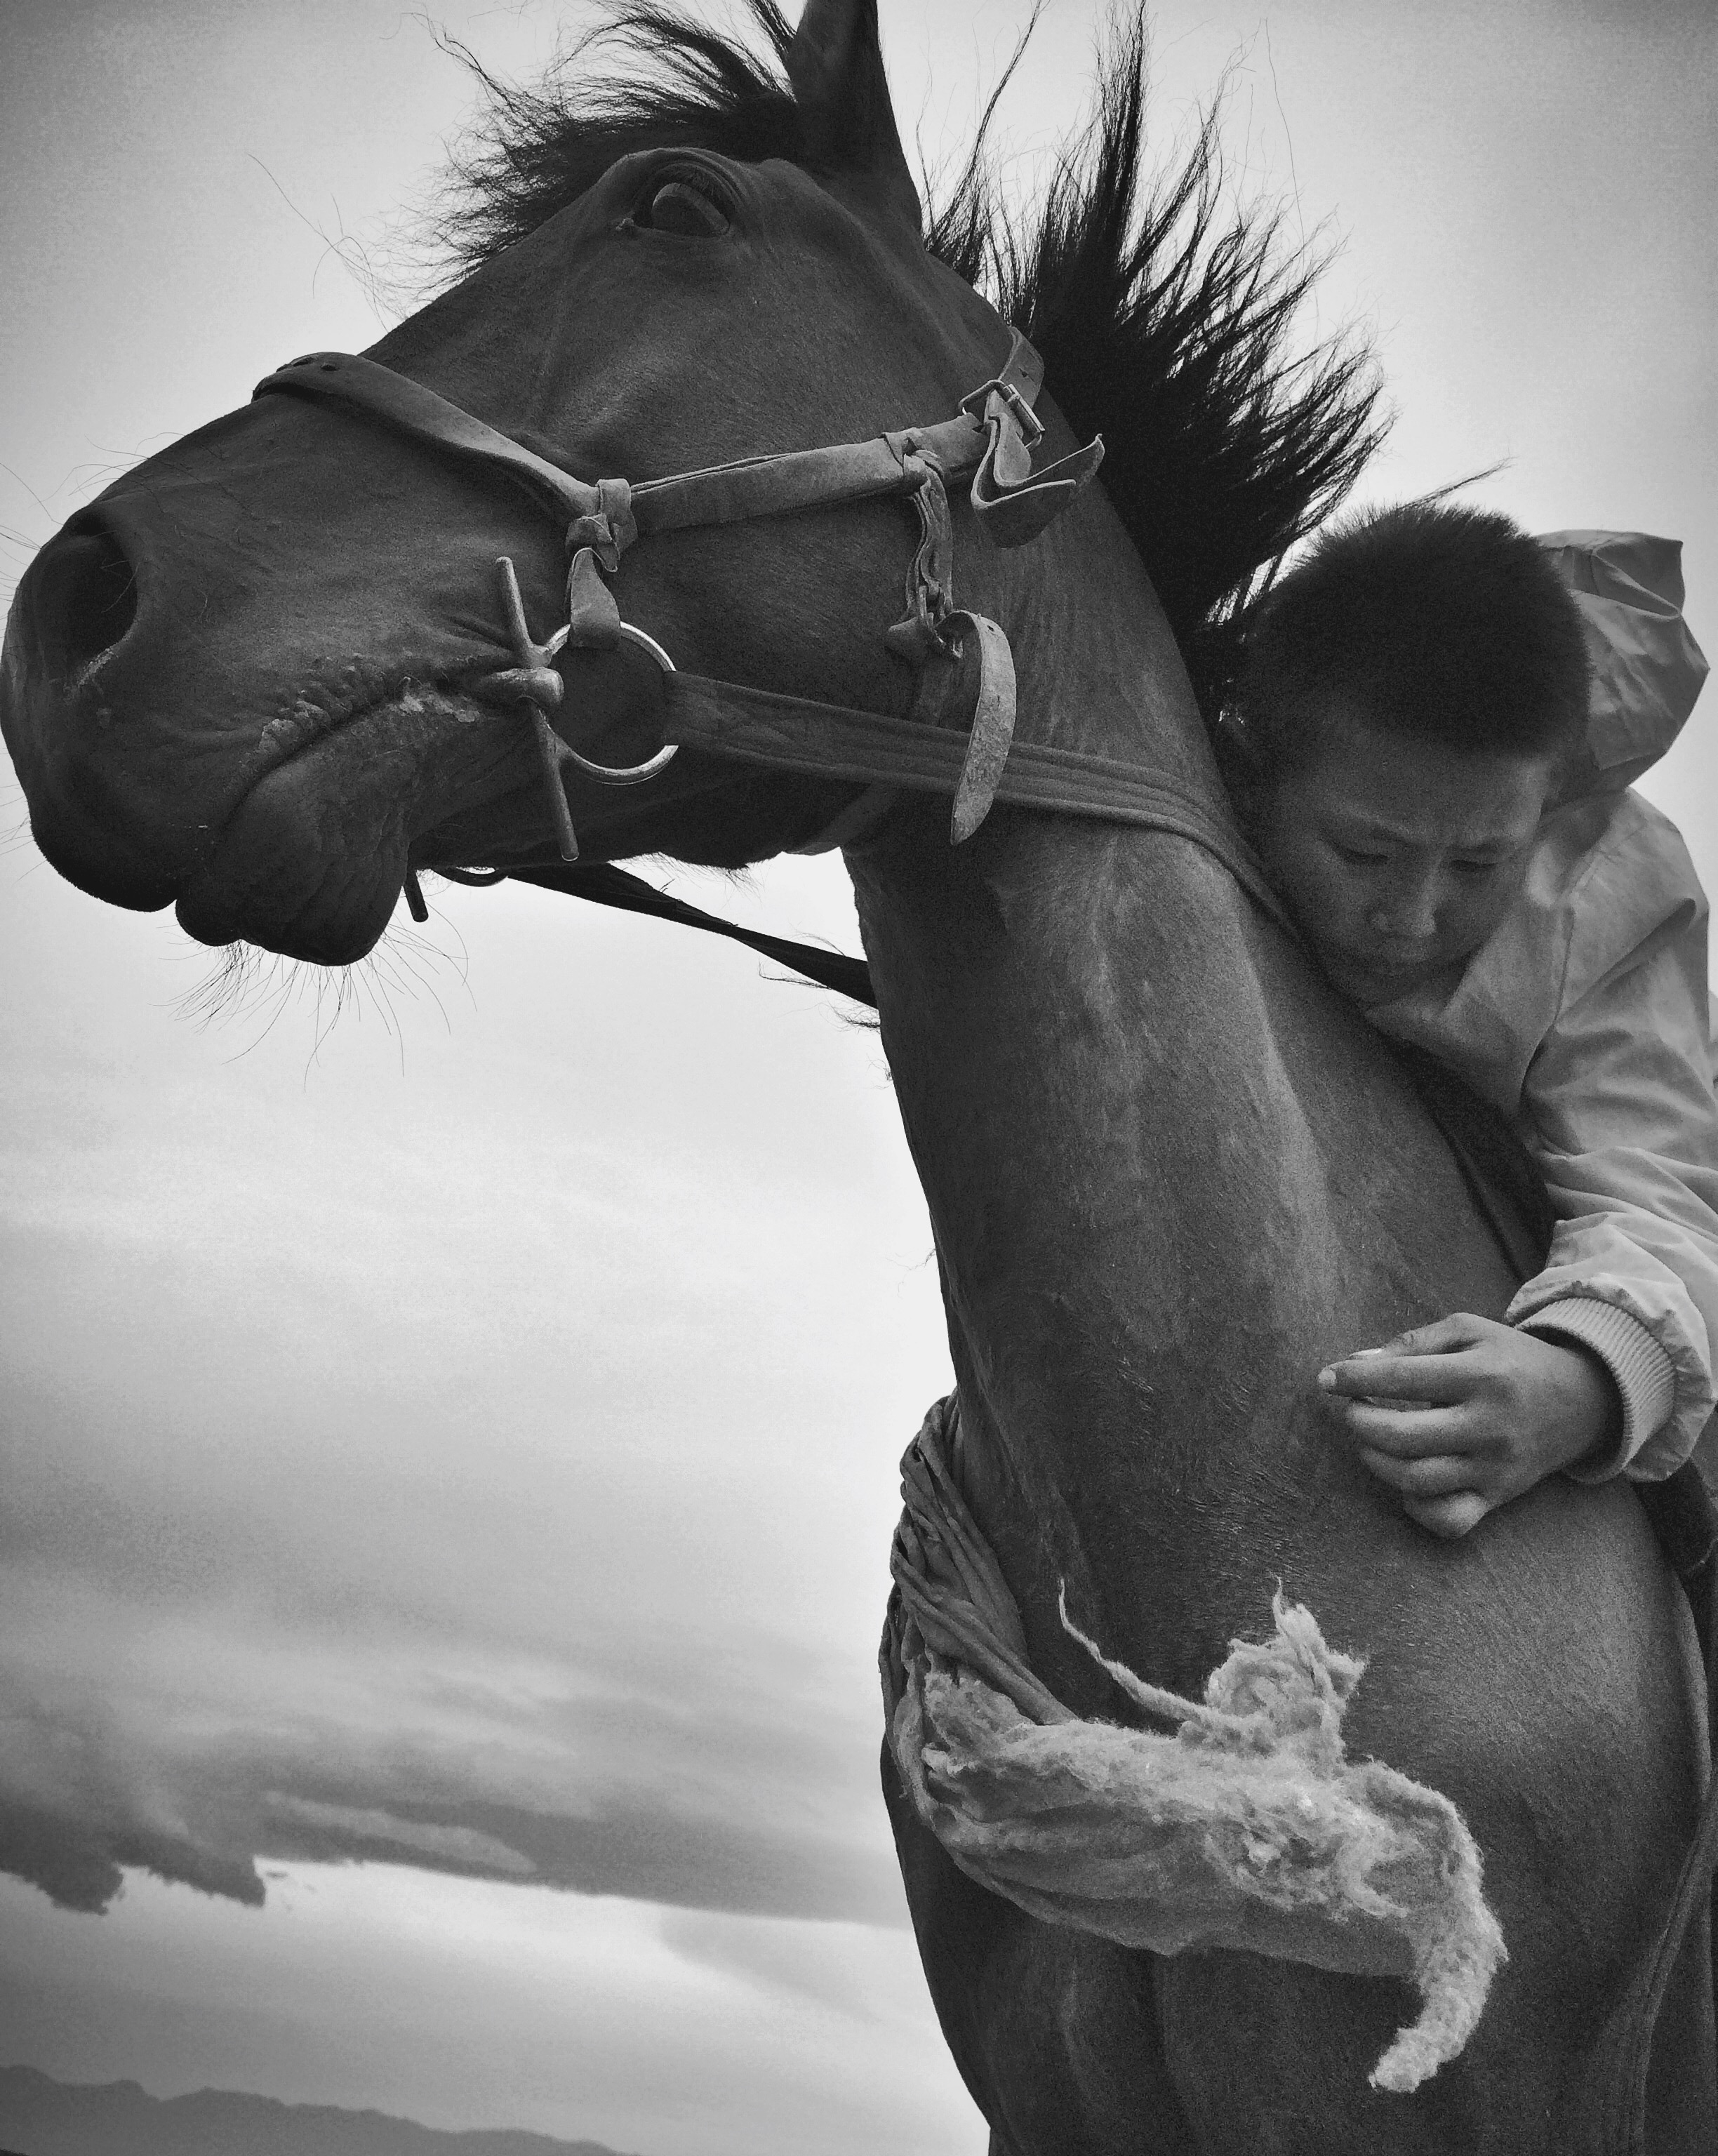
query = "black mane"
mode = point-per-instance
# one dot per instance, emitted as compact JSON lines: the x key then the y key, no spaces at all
{"x":1164,"y":325}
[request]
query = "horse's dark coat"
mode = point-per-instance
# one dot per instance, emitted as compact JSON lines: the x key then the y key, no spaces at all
{"x":1168,"y":1175}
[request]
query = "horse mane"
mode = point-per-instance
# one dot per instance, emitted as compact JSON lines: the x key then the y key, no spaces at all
{"x":1164,"y":321}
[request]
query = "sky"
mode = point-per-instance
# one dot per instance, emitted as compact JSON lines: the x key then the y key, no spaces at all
{"x":450,"y":1420}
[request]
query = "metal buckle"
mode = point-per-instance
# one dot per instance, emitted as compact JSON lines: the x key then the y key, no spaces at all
{"x":1030,"y":425}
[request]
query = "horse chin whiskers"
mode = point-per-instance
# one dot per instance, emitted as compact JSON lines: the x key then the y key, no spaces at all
{"x":248,"y":984}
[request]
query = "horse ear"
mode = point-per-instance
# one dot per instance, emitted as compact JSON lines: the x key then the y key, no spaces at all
{"x":835,"y":64}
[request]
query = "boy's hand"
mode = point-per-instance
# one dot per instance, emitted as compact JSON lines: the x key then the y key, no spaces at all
{"x":1463,"y":1415}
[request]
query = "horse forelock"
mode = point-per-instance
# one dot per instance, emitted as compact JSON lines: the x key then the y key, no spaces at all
{"x":684,"y":86}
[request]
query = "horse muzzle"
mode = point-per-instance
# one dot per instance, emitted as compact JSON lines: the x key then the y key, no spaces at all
{"x":227,"y":608}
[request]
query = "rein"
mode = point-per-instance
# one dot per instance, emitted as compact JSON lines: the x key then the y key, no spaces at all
{"x":990,"y":437}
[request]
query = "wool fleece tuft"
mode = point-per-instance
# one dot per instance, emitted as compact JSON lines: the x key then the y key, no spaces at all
{"x":1248,"y":1826}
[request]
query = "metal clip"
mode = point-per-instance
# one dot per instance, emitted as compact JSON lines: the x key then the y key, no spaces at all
{"x":1030,"y":425}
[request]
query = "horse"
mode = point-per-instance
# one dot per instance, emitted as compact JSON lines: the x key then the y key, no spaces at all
{"x":269,"y":678}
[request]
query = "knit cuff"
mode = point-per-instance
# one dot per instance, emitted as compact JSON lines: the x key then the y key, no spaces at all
{"x":1645,"y":1375}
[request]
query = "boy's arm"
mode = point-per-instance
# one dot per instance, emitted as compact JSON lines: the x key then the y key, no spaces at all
{"x":1607,"y":1364}
{"x":1623,"y":1123}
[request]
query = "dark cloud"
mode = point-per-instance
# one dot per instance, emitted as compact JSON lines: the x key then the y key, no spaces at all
{"x":80,"y":1864}
{"x":761,"y":1868}
{"x":220,"y":1754}
{"x":331,"y":1619}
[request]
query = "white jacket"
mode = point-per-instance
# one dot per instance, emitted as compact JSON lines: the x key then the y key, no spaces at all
{"x":1584,"y":1019}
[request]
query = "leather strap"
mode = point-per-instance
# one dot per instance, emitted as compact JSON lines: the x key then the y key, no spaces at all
{"x":827,"y":741}
{"x":367,"y":386}
{"x":804,"y":479}
{"x":824,"y":740}
{"x":605,"y":884}
{"x":1011,"y":503}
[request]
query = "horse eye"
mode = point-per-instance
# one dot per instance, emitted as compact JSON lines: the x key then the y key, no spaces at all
{"x":682,"y":205}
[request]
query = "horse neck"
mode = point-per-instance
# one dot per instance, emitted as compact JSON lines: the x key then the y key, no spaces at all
{"x":1123,"y":1094}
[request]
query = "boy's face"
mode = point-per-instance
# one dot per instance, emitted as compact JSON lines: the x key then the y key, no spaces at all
{"x":1398,"y":857}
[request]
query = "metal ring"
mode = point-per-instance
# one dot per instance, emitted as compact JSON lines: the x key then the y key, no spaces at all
{"x":473,"y":878}
{"x":648,"y":642}
{"x":632,"y":774}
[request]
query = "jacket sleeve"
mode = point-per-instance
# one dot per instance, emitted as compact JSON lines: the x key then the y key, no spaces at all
{"x":1620,"y":1114}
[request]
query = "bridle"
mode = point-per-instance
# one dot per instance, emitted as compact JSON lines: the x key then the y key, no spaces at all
{"x":992,"y":436}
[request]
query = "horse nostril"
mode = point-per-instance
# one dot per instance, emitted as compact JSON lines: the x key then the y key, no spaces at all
{"x":86,"y":599}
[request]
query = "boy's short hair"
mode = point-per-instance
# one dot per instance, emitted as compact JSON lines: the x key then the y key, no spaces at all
{"x":1447,"y":624}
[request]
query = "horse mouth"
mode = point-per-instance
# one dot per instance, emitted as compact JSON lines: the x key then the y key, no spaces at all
{"x":310,"y":860}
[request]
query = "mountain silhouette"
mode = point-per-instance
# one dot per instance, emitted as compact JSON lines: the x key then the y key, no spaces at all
{"x":42,"y":2116}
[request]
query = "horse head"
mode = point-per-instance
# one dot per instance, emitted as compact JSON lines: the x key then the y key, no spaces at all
{"x":257,"y":677}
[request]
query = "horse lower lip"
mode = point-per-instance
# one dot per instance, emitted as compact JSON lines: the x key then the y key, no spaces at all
{"x":295,"y":869}
{"x":311,"y":860}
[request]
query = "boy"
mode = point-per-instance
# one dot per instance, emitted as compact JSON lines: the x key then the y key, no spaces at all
{"x":1434,"y":726}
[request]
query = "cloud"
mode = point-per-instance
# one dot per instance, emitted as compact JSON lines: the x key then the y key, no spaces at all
{"x":347,"y":1826}
{"x":195,"y":1745}
{"x":458,"y":1489}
